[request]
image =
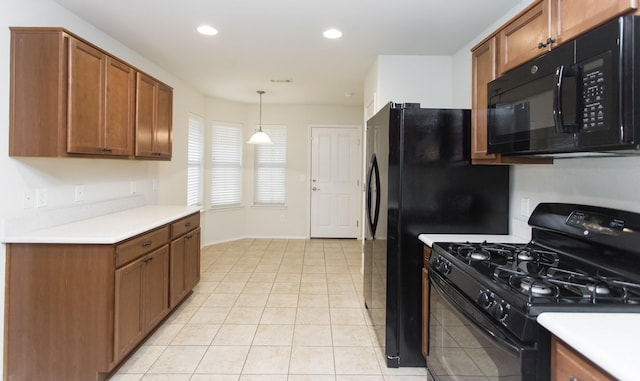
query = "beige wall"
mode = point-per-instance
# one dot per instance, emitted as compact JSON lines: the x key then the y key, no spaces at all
{"x":292,"y":220}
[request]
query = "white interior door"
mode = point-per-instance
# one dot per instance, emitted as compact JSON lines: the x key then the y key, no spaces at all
{"x":335,"y":182}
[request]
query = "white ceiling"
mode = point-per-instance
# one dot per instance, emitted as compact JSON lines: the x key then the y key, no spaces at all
{"x":262,"y":40}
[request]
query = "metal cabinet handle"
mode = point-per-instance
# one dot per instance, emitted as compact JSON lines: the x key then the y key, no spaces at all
{"x":146,"y":244}
{"x":573,"y":378}
{"x":147,"y":260}
{"x":187,"y":224}
{"x":107,"y":150}
{"x":315,"y":189}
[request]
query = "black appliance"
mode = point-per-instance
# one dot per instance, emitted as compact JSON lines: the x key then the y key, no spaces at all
{"x":579,"y":98}
{"x":419,"y":180}
{"x":484,"y":297}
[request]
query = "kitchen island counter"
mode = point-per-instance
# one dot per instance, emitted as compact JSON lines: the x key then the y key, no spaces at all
{"x":608,"y":339}
{"x":107,"y":229}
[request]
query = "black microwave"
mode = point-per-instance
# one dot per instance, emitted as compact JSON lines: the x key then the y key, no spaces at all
{"x":578,"y":99}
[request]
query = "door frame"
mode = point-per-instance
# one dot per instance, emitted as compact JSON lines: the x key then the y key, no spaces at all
{"x":310,"y":128}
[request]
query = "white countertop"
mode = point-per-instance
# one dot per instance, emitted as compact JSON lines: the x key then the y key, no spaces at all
{"x":429,"y":239}
{"x":610,"y":340}
{"x":107,"y":229}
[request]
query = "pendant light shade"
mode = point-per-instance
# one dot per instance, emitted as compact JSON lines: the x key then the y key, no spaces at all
{"x":260,"y":137}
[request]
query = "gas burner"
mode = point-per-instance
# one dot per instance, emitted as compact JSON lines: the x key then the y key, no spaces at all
{"x":533,"y":287}
{"x":525,"y":256}
{"x":599,"y":289}
{"x":479,"y":255}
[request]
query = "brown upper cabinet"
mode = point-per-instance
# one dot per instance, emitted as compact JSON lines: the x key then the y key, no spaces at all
{"x":70,"y":98}
{"x":525,"y":36}
{"x":571,"y":18}
{"x":540,"y":27}
{"x":153,"y":118}
{"x":101,"y":102}
{"x":548,"y":23}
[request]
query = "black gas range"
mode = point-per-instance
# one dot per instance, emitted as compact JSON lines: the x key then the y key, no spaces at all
{"x":581,"y":258}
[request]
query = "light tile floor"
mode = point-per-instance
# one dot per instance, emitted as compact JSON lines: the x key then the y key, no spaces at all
{"x":272,"y":310}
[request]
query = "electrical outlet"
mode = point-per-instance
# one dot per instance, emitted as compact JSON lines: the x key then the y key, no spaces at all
{"x":42,"y":198}
{"x":28,"y":199}
{"x":79,"y":193}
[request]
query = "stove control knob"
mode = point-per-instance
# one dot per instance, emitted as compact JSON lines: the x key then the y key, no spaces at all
{"x":485,"y":299}
{"x":446,"y":267}
{"x":500,"y":311}
{"x":437,"y":262}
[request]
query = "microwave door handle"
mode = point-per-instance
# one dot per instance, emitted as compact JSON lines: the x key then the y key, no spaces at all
{"x":558,"y":113}
{"x":557,"y":100}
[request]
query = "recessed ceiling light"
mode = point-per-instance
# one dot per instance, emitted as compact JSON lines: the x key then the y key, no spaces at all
{"x":332,"y":34}
{"x":207,"y":30}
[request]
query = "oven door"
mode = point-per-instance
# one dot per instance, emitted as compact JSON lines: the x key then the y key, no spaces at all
{"x":464,"y":342}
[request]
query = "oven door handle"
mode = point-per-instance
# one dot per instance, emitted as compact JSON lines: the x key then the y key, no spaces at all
{"x":480,"y":322}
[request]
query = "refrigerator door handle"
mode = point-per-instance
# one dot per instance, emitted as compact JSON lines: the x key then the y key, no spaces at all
{"x":369,"y":217}
{"x":373,"y":171}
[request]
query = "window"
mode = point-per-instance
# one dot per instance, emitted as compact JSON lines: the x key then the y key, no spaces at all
{"x":226,"y":165}
{"x":270,"y":161}
{"x":195,"y":147}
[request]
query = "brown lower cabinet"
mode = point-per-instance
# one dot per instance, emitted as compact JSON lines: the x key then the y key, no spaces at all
{"x":73,"y":312}
{"x":567,"y":364}
{"x":425,"y":302}
{"x":185,"y":258}
{"x":140,"y":299}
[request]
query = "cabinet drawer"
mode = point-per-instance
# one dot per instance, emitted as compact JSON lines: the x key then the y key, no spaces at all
{"x":143,"y":244}
{"x":184,"y":225}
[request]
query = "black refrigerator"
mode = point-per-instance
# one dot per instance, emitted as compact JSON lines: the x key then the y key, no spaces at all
{"x":419,"y":179}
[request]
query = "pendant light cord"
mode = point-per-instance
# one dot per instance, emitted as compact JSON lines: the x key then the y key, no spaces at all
{"x":260,"y":124}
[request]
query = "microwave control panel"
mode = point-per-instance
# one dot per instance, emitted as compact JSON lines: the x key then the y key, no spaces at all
{"x":593,"y":94}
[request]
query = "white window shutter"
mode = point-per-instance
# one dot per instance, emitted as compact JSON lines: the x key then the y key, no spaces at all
{"x":195,"y":148}
{"x":226,"y":165}
{"x":270,"y":165}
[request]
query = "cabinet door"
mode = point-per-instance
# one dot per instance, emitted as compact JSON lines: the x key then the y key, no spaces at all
{"x":177,"y":289}
{"x":425,"y":312}
{"x":520,"y":39}
{"x":164,"y":120}
{"x":128,"y":314}
{"x":567,"y":364}
{"x":155,"y":286}
{"x":119,"y":108}
{"x":86,"y":97}
{"x":154,"y":113}
{"x":571,"y":18}
{"x":483,"y":71}
{"x":184,"y":266}
{"x":145,"y":114}
{"x":192,"y":260}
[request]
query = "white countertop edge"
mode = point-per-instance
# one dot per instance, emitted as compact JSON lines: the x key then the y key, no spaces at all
{"x":107,"y":229}
{"x":428,"y":239}
{"x":608,"y":339}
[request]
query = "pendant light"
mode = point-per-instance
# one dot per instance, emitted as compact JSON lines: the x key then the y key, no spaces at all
{"x":260,"y":137}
